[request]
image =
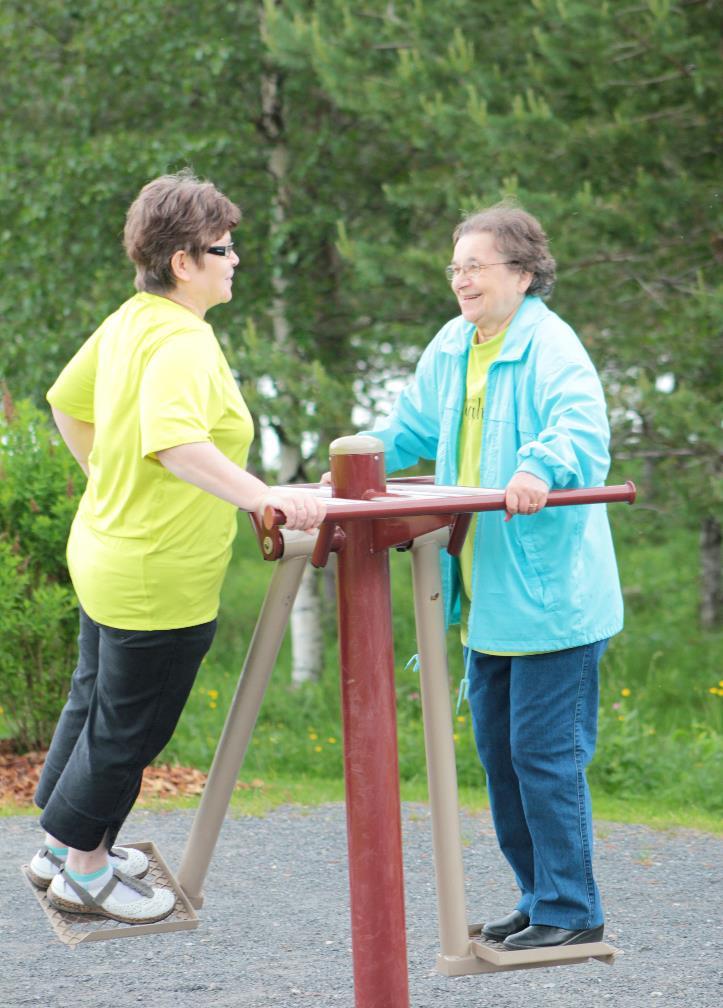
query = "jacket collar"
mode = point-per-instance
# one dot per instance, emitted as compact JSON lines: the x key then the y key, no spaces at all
{"x":458,"y":333}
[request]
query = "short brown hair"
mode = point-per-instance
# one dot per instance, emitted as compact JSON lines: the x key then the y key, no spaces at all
{"x":519,"y":237}
{"x":170,"y":213}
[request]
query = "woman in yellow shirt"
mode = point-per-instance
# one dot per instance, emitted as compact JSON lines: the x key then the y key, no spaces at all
{"x":151,"y":412}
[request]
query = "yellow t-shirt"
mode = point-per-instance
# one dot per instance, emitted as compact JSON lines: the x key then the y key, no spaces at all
{"x":481,"y":356}
{"x":469,"y":448}
{"x":148,"y":551}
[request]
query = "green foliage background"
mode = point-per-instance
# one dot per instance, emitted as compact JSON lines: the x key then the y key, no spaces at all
{"x":392,"y":119}
{"x":661,"y":705}
{"x":38,"y":608}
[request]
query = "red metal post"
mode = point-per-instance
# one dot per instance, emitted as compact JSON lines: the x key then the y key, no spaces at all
{"x":374,"y":832}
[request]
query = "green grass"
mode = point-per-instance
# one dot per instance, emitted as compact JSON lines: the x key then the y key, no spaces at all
{"x":661,"y":706}
{"x":261,"y":797}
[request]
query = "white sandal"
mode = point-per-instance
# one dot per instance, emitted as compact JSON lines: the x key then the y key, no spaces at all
{"x":45,"y":864}
{"x":152,"y":905}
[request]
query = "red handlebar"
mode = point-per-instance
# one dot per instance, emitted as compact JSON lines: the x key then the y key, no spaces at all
{"x":394,"y":505}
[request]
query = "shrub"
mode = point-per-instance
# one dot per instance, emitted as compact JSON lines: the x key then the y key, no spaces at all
{"x":38,"y":619}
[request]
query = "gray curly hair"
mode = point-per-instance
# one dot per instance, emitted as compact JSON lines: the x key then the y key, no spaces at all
{"x":519,"y":237}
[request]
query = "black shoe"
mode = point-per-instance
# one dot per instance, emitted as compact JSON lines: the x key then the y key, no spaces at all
{"x":498,"y":930}
{"x":546,"y":936}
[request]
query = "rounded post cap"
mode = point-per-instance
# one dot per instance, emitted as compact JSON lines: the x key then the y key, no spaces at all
{"x":356,"y":444}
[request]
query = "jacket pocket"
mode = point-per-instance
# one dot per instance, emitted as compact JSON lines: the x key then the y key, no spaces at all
{"x":550,"y":543}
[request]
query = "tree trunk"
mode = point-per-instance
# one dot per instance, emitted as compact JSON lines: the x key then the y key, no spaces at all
{"x":307,"y":643}
{"x":710,"y":572}
{"x":307,"y":637}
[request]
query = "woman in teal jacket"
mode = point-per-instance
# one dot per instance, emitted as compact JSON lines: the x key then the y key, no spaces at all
{"x":506,"y":396}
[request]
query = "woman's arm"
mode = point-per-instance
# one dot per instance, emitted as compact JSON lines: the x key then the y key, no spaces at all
{"x":203,"y":465}
{"x":572,"y":446}
{"x":77,"y":434}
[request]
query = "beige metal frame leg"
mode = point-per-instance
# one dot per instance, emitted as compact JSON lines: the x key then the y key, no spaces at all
{"x":460,"y":954}
{"x":241,"y":719}
{"x":439,"y":745}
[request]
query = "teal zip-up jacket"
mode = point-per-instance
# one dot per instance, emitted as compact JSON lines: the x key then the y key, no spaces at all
{"x":542,"y":582}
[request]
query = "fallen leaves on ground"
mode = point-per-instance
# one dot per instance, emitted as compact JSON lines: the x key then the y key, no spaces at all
{"x":19,"y":778}
{"x":166,"y":781}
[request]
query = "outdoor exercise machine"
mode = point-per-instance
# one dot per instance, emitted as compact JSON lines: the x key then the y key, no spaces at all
{"x":366,"y":517}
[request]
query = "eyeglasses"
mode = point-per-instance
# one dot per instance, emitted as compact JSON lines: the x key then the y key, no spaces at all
{"x":221,"y":250}
{"x":472,"y":269}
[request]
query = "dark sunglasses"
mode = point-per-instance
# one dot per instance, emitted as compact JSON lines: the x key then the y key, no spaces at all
{"x":221,"y":250}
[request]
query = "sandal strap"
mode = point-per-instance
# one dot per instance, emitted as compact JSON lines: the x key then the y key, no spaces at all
{"x":95,"y":902}
{"x":46,"y":852}
{"x":139,"y":885}
{"x":82,"y":893}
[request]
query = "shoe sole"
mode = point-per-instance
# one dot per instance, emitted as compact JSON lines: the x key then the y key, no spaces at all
{"x":593,"y":936}
{"x":67,"y":906}
{"x":38,"y":881}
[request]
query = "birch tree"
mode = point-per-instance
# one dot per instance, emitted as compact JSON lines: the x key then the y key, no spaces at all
{"x":307,"y":643}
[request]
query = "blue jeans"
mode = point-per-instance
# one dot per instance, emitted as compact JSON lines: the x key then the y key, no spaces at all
{"x":126,"y":696}
{"x":535,"y":725}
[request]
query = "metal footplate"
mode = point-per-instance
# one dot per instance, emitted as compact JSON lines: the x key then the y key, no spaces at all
{"x":74,"y":929}
{"x":491,"y":957}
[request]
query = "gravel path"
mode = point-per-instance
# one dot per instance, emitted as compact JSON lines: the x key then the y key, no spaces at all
{"x":275,"y":927}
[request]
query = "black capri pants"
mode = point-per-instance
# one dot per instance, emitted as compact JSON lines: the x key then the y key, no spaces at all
{"x":126,"y":697}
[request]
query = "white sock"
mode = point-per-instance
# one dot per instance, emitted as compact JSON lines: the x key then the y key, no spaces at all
{"x":93,"y":882}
